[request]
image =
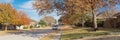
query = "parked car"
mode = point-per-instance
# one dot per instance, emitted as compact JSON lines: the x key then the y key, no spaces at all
{"x":55,"y":27}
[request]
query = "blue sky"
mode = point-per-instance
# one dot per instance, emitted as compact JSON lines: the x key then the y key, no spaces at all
{"x":26,"y":5}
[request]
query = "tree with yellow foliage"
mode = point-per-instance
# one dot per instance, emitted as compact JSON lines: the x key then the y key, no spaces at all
{"x":9,"y":15}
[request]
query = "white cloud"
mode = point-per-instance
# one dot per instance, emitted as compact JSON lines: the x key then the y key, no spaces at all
{"x":6,"y":1}
{"x":31,"y":13}
{"x":28,"y":8}
{"x":27,"y":5}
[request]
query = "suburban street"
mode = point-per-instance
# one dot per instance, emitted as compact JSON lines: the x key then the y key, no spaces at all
{"x":35,"y":34}
{"x":59,"y":19}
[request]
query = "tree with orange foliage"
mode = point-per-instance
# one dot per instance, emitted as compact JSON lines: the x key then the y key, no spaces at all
{"x":24,"y":19}
{"x":6,"y":14}
{"x":9,"y":15}
{"x":20,"y":18}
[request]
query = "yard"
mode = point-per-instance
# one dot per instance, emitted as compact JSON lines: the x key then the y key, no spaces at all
{"x":86,"y":32}
{"x":2,"y":33}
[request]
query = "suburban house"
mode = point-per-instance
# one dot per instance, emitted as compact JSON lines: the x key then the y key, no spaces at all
{"x":32,"y":24}
{"x":110,"y":20}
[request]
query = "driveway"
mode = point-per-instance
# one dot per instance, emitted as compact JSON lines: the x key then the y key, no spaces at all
{"x":27,"y":35}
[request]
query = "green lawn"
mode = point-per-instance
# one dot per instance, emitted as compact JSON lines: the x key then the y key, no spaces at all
{"x":86,"y":32}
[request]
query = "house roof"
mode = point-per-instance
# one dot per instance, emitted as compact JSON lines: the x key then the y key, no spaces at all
{"x":33,"y":20}
{"x":118,"y":14}
{"x":103,"y":15}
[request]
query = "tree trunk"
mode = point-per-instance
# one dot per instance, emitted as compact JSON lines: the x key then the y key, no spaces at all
{"x":5,"y":27}
{"x":95,"y":21}
{"x":83,"y":22}
{"x":94,"y":15}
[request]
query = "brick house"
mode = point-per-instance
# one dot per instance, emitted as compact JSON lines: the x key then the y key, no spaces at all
{"x":110,"y":20}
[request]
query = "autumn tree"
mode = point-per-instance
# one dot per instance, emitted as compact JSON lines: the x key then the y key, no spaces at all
{"x":6,"y":14}
{"x":49,"y":20}
{"x":42,"y":23}
{"x":71,"y":7}
{"x":9,"y":15}
{"x":15,"y":17}
{"x":24,"y":19}
{"x":19,"y":18}
{"x":64,"y":19}
{"x":80,"y":18}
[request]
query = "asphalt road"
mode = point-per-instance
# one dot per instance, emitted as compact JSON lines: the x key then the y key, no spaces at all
{"x":35,"y":34}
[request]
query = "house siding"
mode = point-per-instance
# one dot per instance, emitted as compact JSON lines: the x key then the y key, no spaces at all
{"x":112,"y":22}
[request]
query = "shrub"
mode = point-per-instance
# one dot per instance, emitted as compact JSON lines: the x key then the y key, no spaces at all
{"x":25,"y":27}
{"x":31,"y":26}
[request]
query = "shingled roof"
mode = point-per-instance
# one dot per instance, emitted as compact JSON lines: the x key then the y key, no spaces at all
{"x":104,"y":15}
{"x":33,"y":20}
